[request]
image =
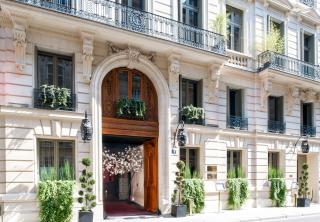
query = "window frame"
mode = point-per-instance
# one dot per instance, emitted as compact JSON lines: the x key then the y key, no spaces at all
{"x":198,"y":91}
{"x":278,"y":112}
{"x":312,"y":113}
{"x":188,"y":8}
{"x":233,"y":25}
{"x":55,"y":56}
{"x":241,"y":109}
{"x":271,"y":153}
{"x":56,"y":153}
{"x":187,"y":150}
{"x":130,"y":4}
{"x":130,"y":74}
{"x":231,"y":159}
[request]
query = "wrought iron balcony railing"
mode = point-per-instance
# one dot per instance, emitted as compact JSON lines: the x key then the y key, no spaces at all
{"x":237,"y":122}
{"x":309,"y":3}
{"x":40,"y":102}
{"x":287,"y":64}
{"x":120,"y":16}
{"x":308,"y":130}
{"x":276,"y":126}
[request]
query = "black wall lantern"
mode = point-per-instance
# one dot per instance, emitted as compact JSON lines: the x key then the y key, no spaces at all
{"x":86,"y":129}
{"x":304,"y":145}
{"x":180,"y":135}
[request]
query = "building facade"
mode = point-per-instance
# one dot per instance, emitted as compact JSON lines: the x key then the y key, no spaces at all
{"x":257,"y":103}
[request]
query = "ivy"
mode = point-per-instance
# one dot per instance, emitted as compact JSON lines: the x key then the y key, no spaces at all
{"x":55,"y":200}
{"x":131,"y":108}
{"x":193,"y":189}
{"x":278,"y":191}
{"x":55,"y":97}
{"x":237,"y":187}
{"x":193,"y":113}
{"x":238,"y":192}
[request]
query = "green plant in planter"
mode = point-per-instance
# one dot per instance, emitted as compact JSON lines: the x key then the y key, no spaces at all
{"x":275,"y":42}
{"x":87,"y":198}
{"x":55,"y":97}
{"x":131,"y":108}
{"x":193,"y":191}
{"x":303,"y":191}
{"x":277,"y":187}
{"x":237,"y":187}
{"x":192,"y":113}
{"x":178,"y":209}
{"x":55,"y":196}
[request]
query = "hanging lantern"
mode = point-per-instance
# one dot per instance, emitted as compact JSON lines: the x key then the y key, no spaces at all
{"x":86,"y":129}
{"x":305,"y":146}
{"x":181,"y":137}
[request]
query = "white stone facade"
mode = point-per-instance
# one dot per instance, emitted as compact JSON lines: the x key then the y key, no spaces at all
{"x":97,"y":48}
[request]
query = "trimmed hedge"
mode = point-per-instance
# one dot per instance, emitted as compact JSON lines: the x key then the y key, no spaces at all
{"x":193,"y":189}
{"x":238,"y":192}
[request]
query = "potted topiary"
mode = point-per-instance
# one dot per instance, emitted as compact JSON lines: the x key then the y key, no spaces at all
{"x":303,"y":192}
{"x":87,"y":198}
{"x":178,"y":209}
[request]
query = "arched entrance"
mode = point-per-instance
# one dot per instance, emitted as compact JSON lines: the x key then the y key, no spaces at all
{"x":130,"y":119}
{"x":143,"y":64}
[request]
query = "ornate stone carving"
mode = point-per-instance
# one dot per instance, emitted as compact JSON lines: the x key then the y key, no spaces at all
{"x":6,"y":20}
{"x":308,"y":95}
{"x":87,"y":55}
{"x":292,"y":94}
{"x":174,"y":72}
{"x":20,"y":45}
{"x":266,"y":88}
{"x":133,"y":53}
{"x":214,"y":81}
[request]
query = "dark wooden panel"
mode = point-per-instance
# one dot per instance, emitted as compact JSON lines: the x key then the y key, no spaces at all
{"x":114,"y":126}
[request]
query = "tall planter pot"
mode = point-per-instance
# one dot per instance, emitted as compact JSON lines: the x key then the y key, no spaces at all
{"x":85,"y":216}
{"x":178,"y":210}
{"x":303,"y":202}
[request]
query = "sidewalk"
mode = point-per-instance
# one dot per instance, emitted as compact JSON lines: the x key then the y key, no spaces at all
{"x":254,"y":214}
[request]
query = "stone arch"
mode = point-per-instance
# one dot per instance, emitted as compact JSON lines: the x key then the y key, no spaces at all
{"x":143,"y":64}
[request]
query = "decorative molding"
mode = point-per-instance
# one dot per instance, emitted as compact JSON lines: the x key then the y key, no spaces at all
{"x":266,"y":88}
{"x":292,"y":94}
{"x":20,"y":45}
{"x":308,"y":95}
{"x":87,"y":55}
{"x":6,"y":20}
{"x":174,"y":72}
{"x":133,"y":53}
{"x":214,"y":75}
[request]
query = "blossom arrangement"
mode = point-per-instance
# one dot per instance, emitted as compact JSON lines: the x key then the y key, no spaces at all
{"x":128,"y":161}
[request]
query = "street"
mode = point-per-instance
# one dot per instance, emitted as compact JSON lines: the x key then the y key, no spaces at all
{"x":313,"y":218}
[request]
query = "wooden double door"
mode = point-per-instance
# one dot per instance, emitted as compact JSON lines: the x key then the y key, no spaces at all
{"x":151,"y":175}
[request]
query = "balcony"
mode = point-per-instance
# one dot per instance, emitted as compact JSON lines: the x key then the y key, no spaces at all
{"x":237,"y":122}
{"x":289,"y":65}
{"x":127,"y":18}
{"x":309,"y":3}
{"x":276,"y":126}
{"x":41,"y":103}
{"x":308,"y":131}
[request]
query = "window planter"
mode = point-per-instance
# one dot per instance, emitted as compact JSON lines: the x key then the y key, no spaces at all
{"x":131,"y":109}
{"x":192,"y":115}
{"x":52,"y":97}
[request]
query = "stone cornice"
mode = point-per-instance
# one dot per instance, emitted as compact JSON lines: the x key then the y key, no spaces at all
{"x":40,"y":113}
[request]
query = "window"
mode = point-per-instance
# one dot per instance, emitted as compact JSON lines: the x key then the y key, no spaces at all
{"x":189,"y":155}
{"x":275,"y":114}
{"x":307,"y":125}
{"x":190,"y":92}
{"x":138,"y":4}
{"x":234,"y":29}
{"x":55,"y":70}
{"x":190,"y":12}
{"x":129,"y":82}
{"x":59,"y":2}
{"x":235,"y":102}
{"x":273,"y":160}
{"x":233,"y":159}
{"x":307,"y":52}
{"x":54,"y":154}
